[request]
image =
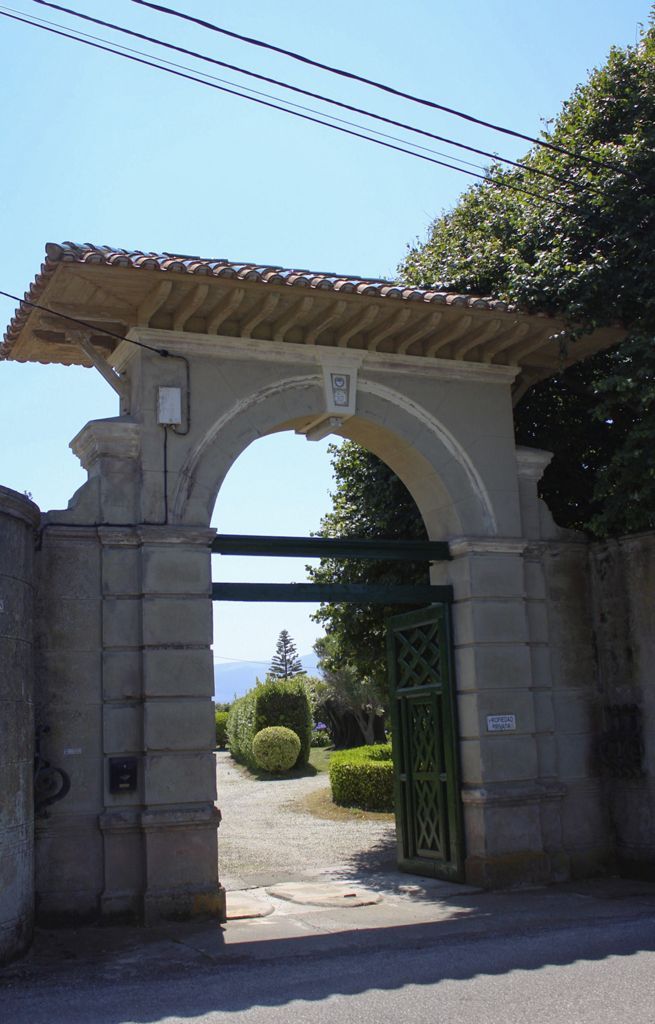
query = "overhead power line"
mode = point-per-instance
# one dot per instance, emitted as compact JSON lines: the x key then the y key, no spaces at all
{"x":84,"y":323}
{"x":376,"y":85}
{"x":303,"y":92}
{"x":71,"y":35}
{"x":257,"y":92}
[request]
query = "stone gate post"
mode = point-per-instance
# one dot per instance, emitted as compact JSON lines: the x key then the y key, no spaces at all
{"x":127,"y":683}
{"x":510,"y":811}
{"x":160,"y":839}
{"x":19,"y":518}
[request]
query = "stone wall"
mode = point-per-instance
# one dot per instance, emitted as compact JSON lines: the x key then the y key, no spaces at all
{"x":623,"y":588}
{"x":68,"y":657}
{"x":586,"y":838}
{"x":19,"y":518}
{"x":601,"y":623}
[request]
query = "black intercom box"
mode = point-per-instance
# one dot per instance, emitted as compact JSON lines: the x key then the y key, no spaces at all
{"x":122,"y":774}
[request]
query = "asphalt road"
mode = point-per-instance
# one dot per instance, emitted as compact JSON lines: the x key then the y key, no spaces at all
{"x":592,"y":973}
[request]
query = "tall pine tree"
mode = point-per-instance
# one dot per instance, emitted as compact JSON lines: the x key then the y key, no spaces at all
{"x":286,"y":662}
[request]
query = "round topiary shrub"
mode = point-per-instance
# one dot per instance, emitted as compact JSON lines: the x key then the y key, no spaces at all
{"x":276,"y":748}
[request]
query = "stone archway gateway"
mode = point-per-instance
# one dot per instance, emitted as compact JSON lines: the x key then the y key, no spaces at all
{"x":205,"y":357}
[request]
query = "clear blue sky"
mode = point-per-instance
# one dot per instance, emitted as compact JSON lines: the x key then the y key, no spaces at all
{"x":93,"y":148}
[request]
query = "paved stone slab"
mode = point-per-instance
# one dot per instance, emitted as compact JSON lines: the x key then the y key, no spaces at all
{"x":325,"y":894}
{"x":242,"y":905}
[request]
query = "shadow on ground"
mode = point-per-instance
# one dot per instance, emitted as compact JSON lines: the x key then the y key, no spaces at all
{"x":191,"y":970}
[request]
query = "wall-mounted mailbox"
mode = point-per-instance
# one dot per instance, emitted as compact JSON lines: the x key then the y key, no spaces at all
{"x":122,"y":774}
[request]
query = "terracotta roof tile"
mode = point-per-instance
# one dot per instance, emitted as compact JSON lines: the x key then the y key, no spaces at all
{"x":87,"y":253}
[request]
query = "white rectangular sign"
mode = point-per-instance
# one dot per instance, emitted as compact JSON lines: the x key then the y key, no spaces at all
{"x":501,"y":723}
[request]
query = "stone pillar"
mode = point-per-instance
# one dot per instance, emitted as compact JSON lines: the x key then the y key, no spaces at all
{"x":180,"y":821}
{"x":127,"y":679}
{"x":160,"y":839}
{"x":19,"y":518}
{"x":565,"y":672}
{"x":502,"y":792}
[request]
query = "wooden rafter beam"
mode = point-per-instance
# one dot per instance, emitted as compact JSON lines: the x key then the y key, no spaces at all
{"x":153,"y":301}
{"x":223,"y":310}
{"x":334,"y":311}
{"x":261,"y":313}
{"x":189,"y":305}
{"x":82,"y":339}
{"x":392,"y":326}
{"x":453,"y":333}
{"x":119,"y":314}
{"x":295,"y":312}
{"x":356,"y":325}
{"x":514,"y":334}
{"x":480,"y":337}
{"x":525,"y":348}
{"x":427,"y":325}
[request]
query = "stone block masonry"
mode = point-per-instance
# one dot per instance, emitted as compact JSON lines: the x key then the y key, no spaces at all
{"x":19,"y":519}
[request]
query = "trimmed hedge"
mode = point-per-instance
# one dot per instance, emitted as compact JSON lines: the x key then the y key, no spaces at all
{"x":286,"y":702}
{"x":363,"y":777}
{"x":241,"y":728}
{"x":221,"y":728}
{"x":276,"y":748}
{"x":283,"y":702}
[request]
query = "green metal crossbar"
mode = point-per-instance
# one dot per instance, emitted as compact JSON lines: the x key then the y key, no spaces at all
{"x":335,"y":593}
{"x":329,"y":547}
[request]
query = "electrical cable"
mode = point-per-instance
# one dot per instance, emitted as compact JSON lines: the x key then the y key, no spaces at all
{"x":257,"y":92}
{"x":91,"y":327}
{"x":496,"y":182}
{"x":377,"y":85}
{"x":298,"y":89}
{"x":240,"y":661}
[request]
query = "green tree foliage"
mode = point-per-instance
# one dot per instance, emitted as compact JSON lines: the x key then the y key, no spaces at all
{"x":369,"y":502}
{"x":585,"y":248}
{"x":286,"y":662}
{"x":350,"y":699}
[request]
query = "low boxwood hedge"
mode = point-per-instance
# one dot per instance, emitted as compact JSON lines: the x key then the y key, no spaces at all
{"x":363,"y":777}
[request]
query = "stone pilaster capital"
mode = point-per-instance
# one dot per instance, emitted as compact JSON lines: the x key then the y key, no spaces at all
{"x":176,"y":534}
{"x":460,"y":546}
{"x":532,"y":462}
{"x":117,"y":438}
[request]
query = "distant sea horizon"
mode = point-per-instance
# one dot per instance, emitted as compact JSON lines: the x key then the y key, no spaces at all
{"x":234,"y":678}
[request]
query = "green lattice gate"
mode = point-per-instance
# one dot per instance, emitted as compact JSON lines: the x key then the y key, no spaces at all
{"x":428,"y":810}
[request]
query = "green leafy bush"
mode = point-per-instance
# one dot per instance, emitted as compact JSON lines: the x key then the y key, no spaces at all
{"x":363,"y":777}
{"x":286,"y":702}
{"x":321,"y":738}
{"x":276,"y":748}
{"x":241,"y":728}
{"x":274,"y":702}
{"x":221,"y":728}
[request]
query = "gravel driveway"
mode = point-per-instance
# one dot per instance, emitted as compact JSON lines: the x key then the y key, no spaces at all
{"x":265,"y":837}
